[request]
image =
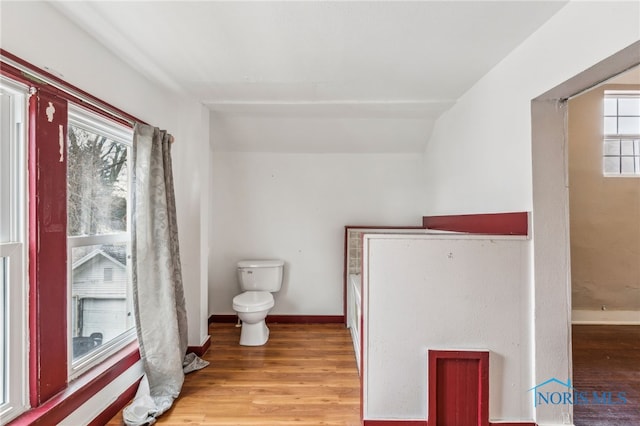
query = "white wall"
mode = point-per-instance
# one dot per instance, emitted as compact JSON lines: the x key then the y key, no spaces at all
{"x":294,"y":207}
{"x":191,"y":179}
{"x":479,"y":156}
{"x":489,"y":132}
{"x":445,"y":292}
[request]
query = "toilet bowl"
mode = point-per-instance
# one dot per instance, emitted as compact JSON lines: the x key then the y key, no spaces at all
{"x":258,"y":279}
{"x":252,"y":308}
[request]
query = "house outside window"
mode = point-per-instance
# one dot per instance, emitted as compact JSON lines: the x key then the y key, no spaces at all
{"x":98,"y":243}
{"x":621,"y":148}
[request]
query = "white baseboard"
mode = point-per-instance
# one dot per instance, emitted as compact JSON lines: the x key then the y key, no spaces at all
{"x":605,"y":317}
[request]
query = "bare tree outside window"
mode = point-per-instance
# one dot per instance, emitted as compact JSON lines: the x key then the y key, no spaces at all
{"x":97,"y":184}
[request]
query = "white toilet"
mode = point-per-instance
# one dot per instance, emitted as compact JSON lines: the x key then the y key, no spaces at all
{"x":258,"y":279}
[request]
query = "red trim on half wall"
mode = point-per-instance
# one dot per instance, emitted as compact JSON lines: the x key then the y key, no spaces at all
{"x":516,"y":223}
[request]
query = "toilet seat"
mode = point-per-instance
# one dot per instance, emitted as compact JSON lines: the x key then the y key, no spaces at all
{"x":253,"y":301}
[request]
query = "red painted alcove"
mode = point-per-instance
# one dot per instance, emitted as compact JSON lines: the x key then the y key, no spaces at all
{"x":458,"y":388}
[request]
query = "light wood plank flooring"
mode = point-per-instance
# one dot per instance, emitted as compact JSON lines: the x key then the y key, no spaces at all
{"x":305,"y":375}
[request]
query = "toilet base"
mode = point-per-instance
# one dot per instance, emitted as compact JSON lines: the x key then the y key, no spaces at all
{"x":254,"y":334}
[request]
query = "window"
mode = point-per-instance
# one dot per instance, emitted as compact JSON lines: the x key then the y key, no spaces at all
{"x":621,"y":151}
{"x":13,"y":295}
{"x":98,"y":237}
{"x":108,"y":274}
{"x":37,"y":303}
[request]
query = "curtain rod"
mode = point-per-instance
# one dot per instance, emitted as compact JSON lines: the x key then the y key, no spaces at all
{"x":40,"y":77}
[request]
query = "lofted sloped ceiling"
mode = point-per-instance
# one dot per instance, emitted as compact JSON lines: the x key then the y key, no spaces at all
{"x":315,"y":76}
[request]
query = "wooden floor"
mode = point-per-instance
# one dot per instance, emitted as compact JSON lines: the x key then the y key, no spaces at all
{"x":607,"y":359}
{"x":305,"y":375}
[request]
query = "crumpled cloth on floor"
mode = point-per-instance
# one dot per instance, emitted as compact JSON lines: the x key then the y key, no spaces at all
{"x":145,"y":408}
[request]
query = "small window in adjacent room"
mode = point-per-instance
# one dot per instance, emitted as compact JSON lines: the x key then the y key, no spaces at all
{"x":621,"y":150}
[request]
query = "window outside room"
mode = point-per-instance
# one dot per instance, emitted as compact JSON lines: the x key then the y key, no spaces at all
{"x":621,"y":153}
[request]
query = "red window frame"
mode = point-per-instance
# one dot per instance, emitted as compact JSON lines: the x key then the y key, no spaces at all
{"x":47,"y":245}
{"x":51,"y":396}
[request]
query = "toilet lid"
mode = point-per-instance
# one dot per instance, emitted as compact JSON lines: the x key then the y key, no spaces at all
{"x":253,"y":301}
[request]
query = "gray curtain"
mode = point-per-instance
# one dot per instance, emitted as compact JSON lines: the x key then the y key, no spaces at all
{"x":158,"y":294}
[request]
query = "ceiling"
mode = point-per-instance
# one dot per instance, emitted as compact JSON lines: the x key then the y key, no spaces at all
{"x":315,"y":76}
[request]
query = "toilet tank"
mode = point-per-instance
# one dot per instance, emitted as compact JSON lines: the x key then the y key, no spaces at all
{"x":260,"y":275}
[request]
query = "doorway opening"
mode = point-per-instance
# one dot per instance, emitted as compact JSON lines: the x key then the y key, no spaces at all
{"x":604,"y":206}
{"x":551,"y":223}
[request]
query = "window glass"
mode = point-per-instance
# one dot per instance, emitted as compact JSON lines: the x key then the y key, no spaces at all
{"x":612,"y":147}
{"x":626,"y":147}
{"x":610,"y":125}
{"x":5,"y":155}
{"x":629,"y":125}
{"x":98,"y":199}
{"x":108,"y":274}
{"x":3,"y":325}
{"x":610,"y":106}
{"x":621,"y":121}
{"x":13,"y":252}
{"x":627,"y":165}
{"x":97,"y":183}
{"x":100,"y":306}
{"x":612,"y":165}
{"x":629,"y":106}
